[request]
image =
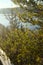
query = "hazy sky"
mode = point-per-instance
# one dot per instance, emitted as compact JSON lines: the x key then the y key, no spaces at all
{"x":7,"y":4}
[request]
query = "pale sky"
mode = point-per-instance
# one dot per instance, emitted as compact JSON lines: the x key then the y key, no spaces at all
{"x":7,"y":4}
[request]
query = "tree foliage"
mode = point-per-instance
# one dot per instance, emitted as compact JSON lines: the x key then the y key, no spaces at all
{"x":23,"y":46}
{"x":32,"y":11}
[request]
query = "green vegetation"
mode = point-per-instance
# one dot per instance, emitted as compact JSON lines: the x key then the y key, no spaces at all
{"x":23,"y":46}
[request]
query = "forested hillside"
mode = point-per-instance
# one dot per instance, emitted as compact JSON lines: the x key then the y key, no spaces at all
{"x":23,"y":45}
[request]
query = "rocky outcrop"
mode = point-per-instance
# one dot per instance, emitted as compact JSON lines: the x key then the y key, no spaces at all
{"x":3,"y":58}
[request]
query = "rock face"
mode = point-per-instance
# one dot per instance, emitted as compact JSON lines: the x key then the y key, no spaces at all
{"x":4,"y":60}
